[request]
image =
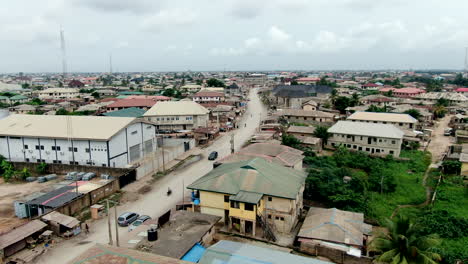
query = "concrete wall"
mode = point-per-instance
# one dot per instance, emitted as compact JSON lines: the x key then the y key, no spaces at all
{"x":323,"y":121}
{"x":378,"y":145}
{"x":335,"y":255}
{"x":64,"y":169}
{"x":399,"y":125}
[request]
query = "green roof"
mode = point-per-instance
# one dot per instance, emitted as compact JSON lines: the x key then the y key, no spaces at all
{"x":127,"y":112}
{"x":131,"y":93}
{"x":3,"y":97}
{"x":253,"y":176}
{"x":18,"y":97}
{"x":121,"y":96}
{"x":246,"y":197}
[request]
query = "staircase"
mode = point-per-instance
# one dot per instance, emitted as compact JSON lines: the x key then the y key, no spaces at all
{"x":267,"y":229}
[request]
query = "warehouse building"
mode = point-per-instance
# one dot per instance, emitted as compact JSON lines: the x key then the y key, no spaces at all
{"x":76,"y":140}
{"x":181,"y":115}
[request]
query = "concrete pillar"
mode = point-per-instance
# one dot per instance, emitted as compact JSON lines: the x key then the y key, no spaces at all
{"x":229,"y":224}
{"x":242,"y":227}
{"x":253,"y":228}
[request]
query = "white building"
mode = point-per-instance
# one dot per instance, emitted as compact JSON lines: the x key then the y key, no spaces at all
{"x":181,"y":115}
{"x":377,"y":139}
{"x":59,"y":93}
{"x":79,"y":140}
{"x":403,"y":121}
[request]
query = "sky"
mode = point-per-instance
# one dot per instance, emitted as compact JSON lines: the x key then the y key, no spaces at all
{"x":233,"y":35}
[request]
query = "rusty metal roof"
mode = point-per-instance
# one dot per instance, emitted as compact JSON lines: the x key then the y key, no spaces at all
{"x":20,"y":233}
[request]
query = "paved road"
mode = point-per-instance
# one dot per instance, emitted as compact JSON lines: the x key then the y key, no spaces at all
{"x":157,"y":202}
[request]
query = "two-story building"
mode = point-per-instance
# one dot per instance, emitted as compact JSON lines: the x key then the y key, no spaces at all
{"x":402,"y":121}
{"x":373,"y":138}
{"x":59,"y":93}
{"x":204,"y":97}
{"x":307,"y":117}
{"x":76,"y":140}
{"x":252,"y":194}
{"x":181,"y":115}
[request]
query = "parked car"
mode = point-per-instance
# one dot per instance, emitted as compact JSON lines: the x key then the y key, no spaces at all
{"x":127,"y":218}
{"x":448,"y":132}
{"x":138,"y":222}
{"x":213,"y":155}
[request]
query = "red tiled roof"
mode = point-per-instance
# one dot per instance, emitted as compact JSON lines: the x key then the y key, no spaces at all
{"x":133,"y":103}
{"x":308,"y":79}
{"x":461,"y":89}
{"x":409,"y":90}
{"x":110,"y":99}
{"x":384,"y":90}
{"x":152,"y":97}
{"x":370,"y":85}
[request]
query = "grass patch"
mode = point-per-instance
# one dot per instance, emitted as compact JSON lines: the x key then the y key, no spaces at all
{"x":453,"y":198}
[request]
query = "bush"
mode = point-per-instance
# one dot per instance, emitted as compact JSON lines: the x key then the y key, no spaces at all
{"x":41,"y":168}
{"x":451,"y":167}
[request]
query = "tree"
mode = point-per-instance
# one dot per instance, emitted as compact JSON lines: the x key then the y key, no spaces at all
{"x":403,"y":244}
{"x":342,"y":102}
{"x":322,"y":132}
{"x":334,"y":94}
{"x":290,"y":140}
{"x":60,"y":84}
{"x":439,"y":111}
{"x":41,"y":167}
{"x":95,"y":95}
{"x":23,"y":174}
{"x":451,"y":166}
{"x":294,"y":82}
{"x":413,"y":112}
{"x":374,"y":108}
{"x":215,"y":83}
{"x":8,"y":170}
{"x":25,"y":85}
{"x":62,"y":111}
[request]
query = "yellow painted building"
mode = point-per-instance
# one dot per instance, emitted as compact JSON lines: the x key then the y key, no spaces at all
{"x":252,"y":194}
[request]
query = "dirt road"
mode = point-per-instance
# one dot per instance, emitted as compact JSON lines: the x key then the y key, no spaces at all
{"x":156,"y":202}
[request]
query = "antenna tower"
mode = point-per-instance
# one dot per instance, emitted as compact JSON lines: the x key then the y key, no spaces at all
{"x":466,"y":60}
{"x":64,"y":54}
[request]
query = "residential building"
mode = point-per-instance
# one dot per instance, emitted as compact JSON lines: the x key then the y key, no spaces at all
{"x":293,"y":96}
{"x":143,"y":104}
{"x":276,"y":153}
{"x":377,"y":139}
{"x":232,"y":89}
{"x":305,"y":134}
{"x":127,"y":112}
{"x":204,"y":96}
{"x":255,"y":79}
{"x":181,"y":115}
{"x":403,"y":92}
{"x":76,"y":140}
{"x":75,"y":84}
{"x":58,"y":93}
{"x":307,"y":117}
{"x":15,"y":239}
{"x":462,"y":90}
{"x":252,"y":193}
{"x":193,"y":88}
{"x":310,"y":105}
{"x":370,"y":86}
{"x":18,"y":99}
{"x":22,"y":109}
{"x":453,"y":98}
{"x":338,"y":231}
{"x":402,"y":121}
{"x":308,"y":80}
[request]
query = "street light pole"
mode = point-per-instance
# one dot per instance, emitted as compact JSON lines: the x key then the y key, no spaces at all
{"x":109,"y":223}
{"x":116,"y":227}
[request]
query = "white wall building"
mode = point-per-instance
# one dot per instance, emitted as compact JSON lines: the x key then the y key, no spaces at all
{"x":402,"y":121}
{"x":377,"y":139}
{"x":79,"y":140}
{"x":181,"y":115}
{"x":59,"y":93}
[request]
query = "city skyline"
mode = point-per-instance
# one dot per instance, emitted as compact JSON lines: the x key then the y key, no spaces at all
{"x":144,"y":36}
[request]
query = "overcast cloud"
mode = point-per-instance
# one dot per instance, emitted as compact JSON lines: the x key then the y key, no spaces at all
{"x":149,"y":35}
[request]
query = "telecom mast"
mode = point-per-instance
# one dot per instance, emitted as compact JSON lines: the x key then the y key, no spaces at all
{"x":64,"y":54}
{"x":110,"y":64}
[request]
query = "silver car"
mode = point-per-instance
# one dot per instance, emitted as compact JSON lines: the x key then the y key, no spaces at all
{"x":138,"y":222}
{"x":127,"y":218}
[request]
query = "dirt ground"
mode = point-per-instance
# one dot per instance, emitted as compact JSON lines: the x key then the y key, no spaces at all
{"x":439,"y":142}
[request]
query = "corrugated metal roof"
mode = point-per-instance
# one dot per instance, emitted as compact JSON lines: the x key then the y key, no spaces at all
{"x":366,"y":129}
{"x":51,"y":126}
{"x":128,"y":112}
{"x":62,"y":219}
{"x":228,"y":252}
{"x":299,"y":91}
{"x":176,"y":108}
{"x":20,"y":233}
{"x":255,"y":175}
{"x":301,"y":129}
{"x":307,"y":113}
{"x":56,"y":198}
{"x":331,"y":224}
{"x":246,"y":197}
{"x":383,"y":117}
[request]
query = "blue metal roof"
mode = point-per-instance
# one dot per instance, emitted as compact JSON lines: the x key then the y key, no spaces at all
{"x":194,"y":254}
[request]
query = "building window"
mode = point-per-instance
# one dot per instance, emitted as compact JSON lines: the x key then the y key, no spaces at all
{"x":248,"y":207}
{"x":37,"y":147}
{"x":104,"y":165}
{"x":226,"y":198}
{"x":367,"y":149}
{"x":235,"y":204}
{"x":282,"y":218}
{"x":134,"y":132}
{"x":270,"y":198}
{"x":380,"y":140}
{"x":72,"y":149}
{"x":391,"y":152}
{"x":27,"y":160}
{"x":39,"y":161}
{"x":269,"y":216}
{"x":393,"y":142}
{"x":87,"y":150}
{"x":25,"y":146}
{"x":401,"y":124}
{"x":277,"y":218}
{"x":377,"y":150}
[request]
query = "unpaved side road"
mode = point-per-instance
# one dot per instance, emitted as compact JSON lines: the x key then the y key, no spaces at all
{"x":156,"y":202}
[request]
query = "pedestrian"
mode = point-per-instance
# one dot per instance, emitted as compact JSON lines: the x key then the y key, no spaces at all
{"x":86,"y":228}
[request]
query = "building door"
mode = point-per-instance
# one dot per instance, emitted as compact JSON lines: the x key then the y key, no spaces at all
{"x":369,"y":140}
{"x":226,"y":217}
{"x":184,"y":127}
{"x":249,"y":227}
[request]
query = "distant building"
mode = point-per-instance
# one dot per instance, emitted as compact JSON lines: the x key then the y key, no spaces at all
{"x":308,"y":80}
{"x":181,"y":115}
{"x":75,"y":84}
{"x":307,"y":117}
{"x":255,"y":79}
{"x":403,"y":92}
{"x":310,"y":105}
{"x":143,"y":104}
{"x":232,"y":89}
{"x":59,"y":93}
{"x":402,"y":121}
{"x":127,"y":112}
{"x":378,"y":139}
{"x":250,"y":194}
{"x":84,"y":140}
{"x":293,"y":96}
{"x":203,"y":97}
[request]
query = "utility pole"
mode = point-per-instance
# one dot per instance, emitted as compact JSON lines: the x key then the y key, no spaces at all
{"x":232,"y":143}
{"x":162,"y":148}
{"x":116,"y":226}
{"x":109,"y":223}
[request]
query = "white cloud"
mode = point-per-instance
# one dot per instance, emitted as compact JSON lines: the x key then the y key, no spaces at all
{"x":278,"y":35}
{"x":168,"y":19}
{"x":247,"y":9}
{"x":133,"y":6}
{"x":35,"y":30}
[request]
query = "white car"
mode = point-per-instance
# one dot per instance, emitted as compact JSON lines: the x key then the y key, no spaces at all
{"x":138,"y":222}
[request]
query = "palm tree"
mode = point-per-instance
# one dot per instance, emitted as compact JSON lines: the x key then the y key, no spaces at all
{"x":403,"y":245}
{"x":322,"y":132}
{"x":439,"y":111}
